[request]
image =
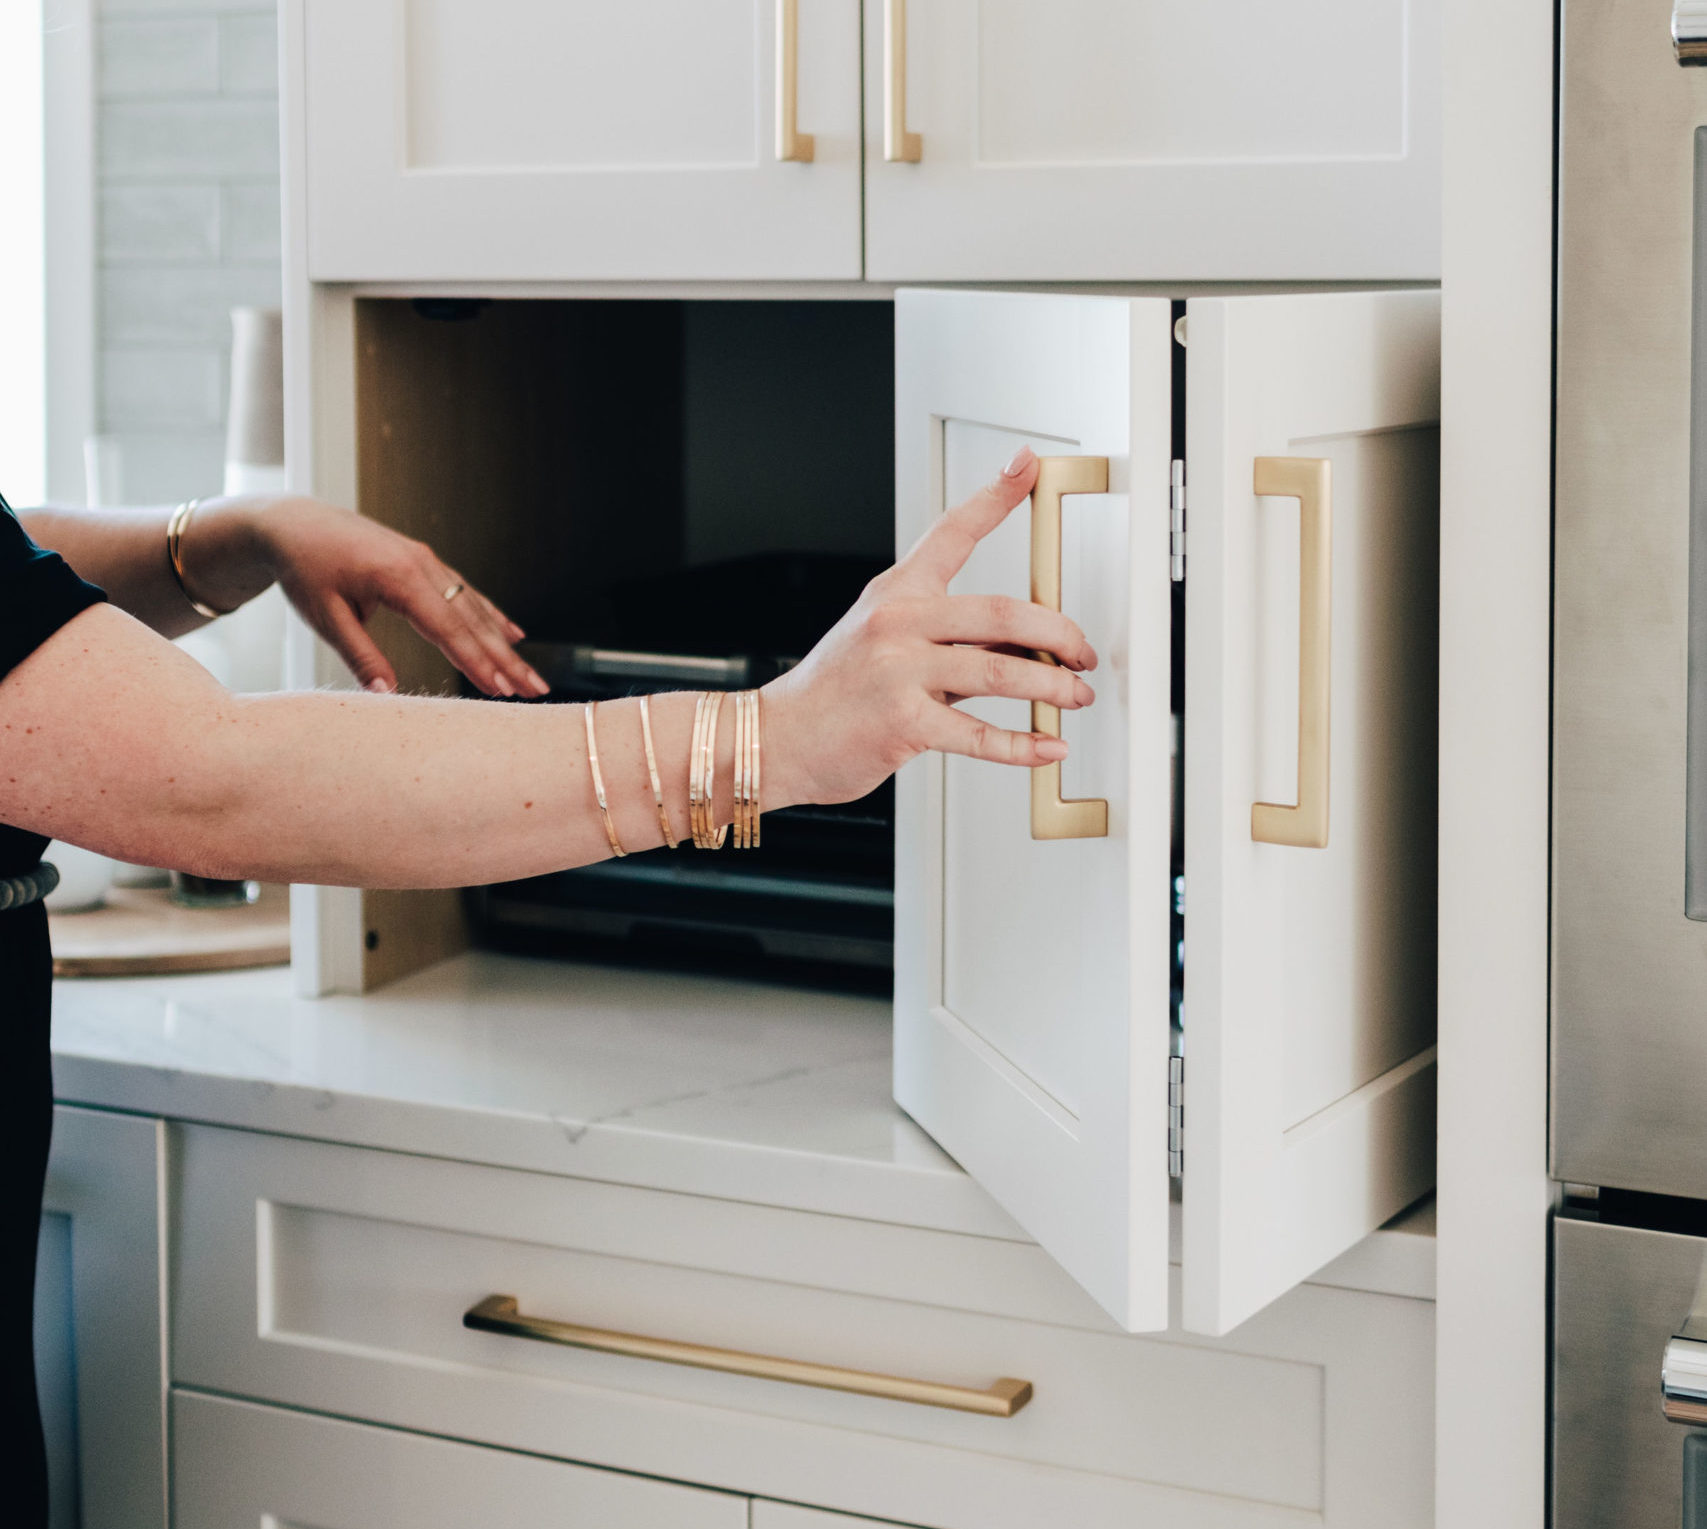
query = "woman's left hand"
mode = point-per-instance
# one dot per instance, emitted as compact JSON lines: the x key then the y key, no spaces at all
{"x":338,"y":568}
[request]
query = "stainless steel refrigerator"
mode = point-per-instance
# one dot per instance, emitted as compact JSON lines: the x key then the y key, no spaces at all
{"x":1629,"y":946}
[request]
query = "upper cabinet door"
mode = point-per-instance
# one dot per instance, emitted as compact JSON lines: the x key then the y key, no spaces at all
{"x":449,"y":140}
{"x":1311,"y":618}
{"x":1089,"y":140}
{"x":1032,"y":973}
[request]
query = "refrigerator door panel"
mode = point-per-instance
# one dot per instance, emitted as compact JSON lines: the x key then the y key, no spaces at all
{"x":1629,"y":963}
{"x":1619,"y":1293}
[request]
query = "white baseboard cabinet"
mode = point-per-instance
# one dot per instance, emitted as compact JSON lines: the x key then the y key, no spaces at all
{"x":316,"y":1278}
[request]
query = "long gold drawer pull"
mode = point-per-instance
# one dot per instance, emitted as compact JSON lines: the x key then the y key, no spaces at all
{"x":1306,"y":479}
{"x":899,"y":146}
{"x":1052,"y":817}
{"x":499,"y":1314}
{"x":791,"y":143}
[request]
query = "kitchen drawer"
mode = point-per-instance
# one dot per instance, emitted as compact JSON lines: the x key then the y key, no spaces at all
{"x":235,"y":1465}
{"x":336,"y":1279}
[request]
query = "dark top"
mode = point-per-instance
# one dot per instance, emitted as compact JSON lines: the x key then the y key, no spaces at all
{"x":38,"y":595}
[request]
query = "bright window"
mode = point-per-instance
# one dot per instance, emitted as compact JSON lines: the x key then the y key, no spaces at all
{"x":23,"y":432}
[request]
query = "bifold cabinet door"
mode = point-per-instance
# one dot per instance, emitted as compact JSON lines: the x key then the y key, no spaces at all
{"x":1088,"y":140}
{"x":1031,"y":975}
{"x":521,"y":139}
{"x":1309,"y":968}
{"x":236,"y":1465}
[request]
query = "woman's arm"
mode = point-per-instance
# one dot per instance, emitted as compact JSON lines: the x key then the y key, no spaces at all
{"x":336,"y":567}
{"x":113,"y":739}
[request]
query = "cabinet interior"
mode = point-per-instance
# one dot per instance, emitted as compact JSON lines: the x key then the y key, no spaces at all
{"x":560,"y":453}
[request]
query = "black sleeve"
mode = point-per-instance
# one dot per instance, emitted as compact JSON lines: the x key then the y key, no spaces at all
{"x":38,"y":593}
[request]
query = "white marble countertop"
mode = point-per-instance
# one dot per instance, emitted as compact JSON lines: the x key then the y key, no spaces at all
{"x":703,"y":1085}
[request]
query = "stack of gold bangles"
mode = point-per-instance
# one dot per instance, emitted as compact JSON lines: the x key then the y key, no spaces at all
{"x":702,"y":769}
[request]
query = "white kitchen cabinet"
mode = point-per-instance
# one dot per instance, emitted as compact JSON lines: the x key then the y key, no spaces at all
{"x":1087,"y":140}
{"x":239,"y":1466}
{"x":1033,"y":1025}
{"x":100,"y":1319}
{"x":442,"y":140}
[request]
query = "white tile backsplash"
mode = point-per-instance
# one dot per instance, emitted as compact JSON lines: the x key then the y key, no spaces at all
{"x":188,"y":205}
{"x":163,"y":56}
{"x":249,"y":54}
{"x":151,"y":221}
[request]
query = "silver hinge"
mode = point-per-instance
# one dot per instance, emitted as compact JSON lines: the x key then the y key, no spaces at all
{"x":1176,"y":1117}
{"x":1176,"y":524}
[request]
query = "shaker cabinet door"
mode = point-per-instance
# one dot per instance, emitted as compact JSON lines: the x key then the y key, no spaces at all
{"x":1031,"y":973}
{"x":1088,"y":140}
{"x":518,"y":139}
{"x":1032,"y":1029}
{"x":1312,"y":454}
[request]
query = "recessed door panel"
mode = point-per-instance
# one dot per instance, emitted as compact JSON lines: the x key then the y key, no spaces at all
{"x":1032,"y":973}
{"x":1310,"y":676}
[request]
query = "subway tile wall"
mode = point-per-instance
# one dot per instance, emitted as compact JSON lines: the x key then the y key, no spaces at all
{"x":187,"y":184}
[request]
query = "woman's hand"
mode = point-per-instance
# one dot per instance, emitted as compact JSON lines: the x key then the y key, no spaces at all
{"x":338,"y":567}
{"x":881,"y":686}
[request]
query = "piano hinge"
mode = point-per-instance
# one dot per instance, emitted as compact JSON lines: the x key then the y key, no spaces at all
{"x":1176,"y":1117}
{"x":1176,"y":524}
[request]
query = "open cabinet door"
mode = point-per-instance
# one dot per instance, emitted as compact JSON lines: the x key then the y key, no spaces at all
{"x":1311,"y":615}
{"x":1031,"y":974}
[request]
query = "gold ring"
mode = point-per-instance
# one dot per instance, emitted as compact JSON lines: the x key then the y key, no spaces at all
{"x":454,"y":590}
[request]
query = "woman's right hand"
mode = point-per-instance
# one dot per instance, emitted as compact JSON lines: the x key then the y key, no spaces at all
{"x":881,"y":686}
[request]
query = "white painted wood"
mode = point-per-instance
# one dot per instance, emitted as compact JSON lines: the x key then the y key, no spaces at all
{"x":107,"y":1175}
{"x":520,"y":139}
{"x":1496,"y":464}
{"x":782,"y":1515}
{"x":245,"y":1467}
{"x":1085,"y":140}
{"x":1031,"y":978}
{"x":1309,"y":1003}
{"x":335,"y":1278}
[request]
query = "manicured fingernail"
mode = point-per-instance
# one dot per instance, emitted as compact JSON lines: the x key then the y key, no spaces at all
{"x":1088,"y":659}
{"x":1051,"y":750}
{"x":1083,"y":693}
{"x":537,"y":682}
{"x":502,"y":685}
{"x":379,"y":685}
{"x":1018,"y":462}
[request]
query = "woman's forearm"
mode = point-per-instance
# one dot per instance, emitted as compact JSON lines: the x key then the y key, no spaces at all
{"x":118,"y":742}
{"x":124,"y":551}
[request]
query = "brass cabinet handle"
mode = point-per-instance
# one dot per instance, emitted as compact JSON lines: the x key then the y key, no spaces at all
{"x":499,"y":1314}
{"x":791,"y":143}
{"x":1051,"y":816}
{"x":899,"y":146}
{"x":1306,"y":479}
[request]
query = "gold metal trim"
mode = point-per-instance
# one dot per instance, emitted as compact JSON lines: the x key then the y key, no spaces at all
{"x":500,"y":1314}
{"x":792,"y":145}
{"x":1051,"y":816}
{"x":899,"y":146}
{"x":1309,"y":481}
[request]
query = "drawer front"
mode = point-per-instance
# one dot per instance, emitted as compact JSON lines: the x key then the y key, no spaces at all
{"x":337,"y":1279}
{"x":240,"y":1466}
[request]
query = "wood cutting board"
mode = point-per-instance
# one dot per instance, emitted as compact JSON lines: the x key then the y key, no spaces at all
{"x":141,"y":932}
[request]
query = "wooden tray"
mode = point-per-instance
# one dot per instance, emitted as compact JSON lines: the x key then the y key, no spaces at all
{"x":141,"y":932}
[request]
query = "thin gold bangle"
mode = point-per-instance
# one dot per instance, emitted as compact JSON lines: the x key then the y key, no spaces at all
{"x":652,"y":772}
{"x":738,"y":766}
{"x":755,"y":762}
{"x":175,"y":528}
{"x":706,"y":770}
{"x":599,"y":780}
{"x":696,"y":826}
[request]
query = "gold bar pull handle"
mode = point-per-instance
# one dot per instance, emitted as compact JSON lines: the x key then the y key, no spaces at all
{"x":792,"y":145}
{"x":1052,"y":817}
{"x":500,"y":1314}
{"x":899,"y":146}
{"x":1308,"y":480}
